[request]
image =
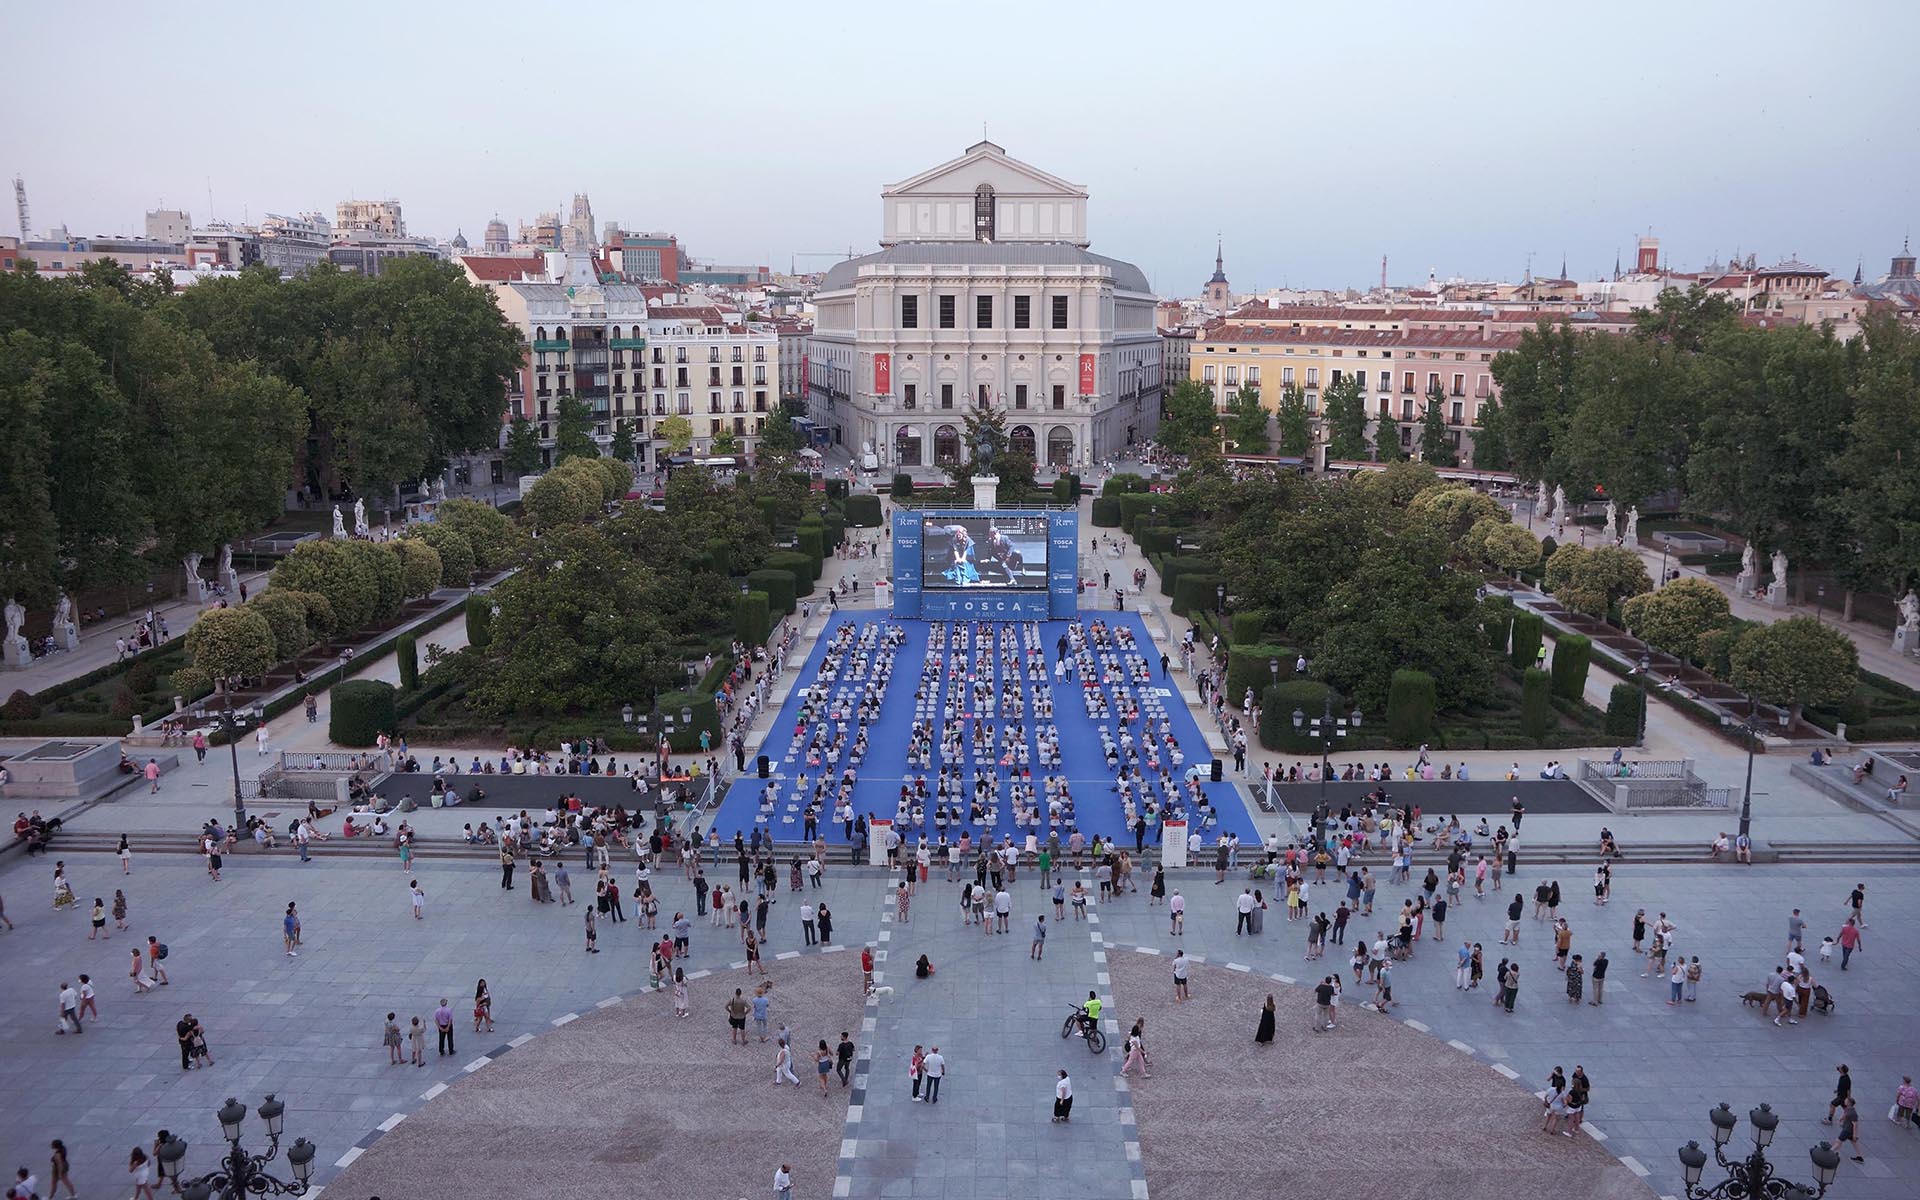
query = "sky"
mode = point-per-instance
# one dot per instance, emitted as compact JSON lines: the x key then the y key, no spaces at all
{"x":1467,"y":138}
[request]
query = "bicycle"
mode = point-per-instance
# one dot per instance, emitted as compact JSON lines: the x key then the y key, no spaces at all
{"x":1078,"y":1022}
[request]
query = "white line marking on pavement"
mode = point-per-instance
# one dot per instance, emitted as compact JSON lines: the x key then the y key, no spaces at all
{"x":1593,"y":1132}
{"x":1461,"y":1046}
{"x":1097,"y":939}
{"x":831,"y":949}
{"x":1633,"y":1164}
{"x":476,"y":1064}
{"x":1410,"y":1023}
{"x":520,"y":1041}
{"x":557,"y":1021}
{"x":847,"y":1146}
{"x":1506,"y":1070}
{"x":387,"y":1125}
{"x":1139,"y":1189}
{"x":700,"y":974}
{"x":609,"y":1002}
{"x":1286,"y":979}
{"x":1099,"y":956}
{"x":1242,"y":967}
{"x":1133,"y":1151}
{"x":1146,"y":950}
{"x":842,"y":1186}
{"x":787,"y":954}
{"x":346,"y":1160}
{"x":855,"y":1112}
{"x":1102,"y":979}
{"x":737,"y":965}
{"x":868,"y":1024}
{"x":433,"y":1091}
{"x":886,"y":935}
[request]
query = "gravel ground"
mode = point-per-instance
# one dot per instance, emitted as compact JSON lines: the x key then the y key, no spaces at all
{"x":631,"y":1100}
{"x":1373,"y":1107}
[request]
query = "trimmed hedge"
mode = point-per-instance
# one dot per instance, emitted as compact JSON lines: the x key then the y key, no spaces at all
{"x":1624,"y":704}
{"x":1136,"y":505}
{"x":1571,"y":656}
{"x":1106,"y":511}
{"x":1529,"y":632}
{"x":1250,"y":667}
{"x":1154,"y":539}
{"x":1536,"y":703}
{"x":1195,"y":592}
{"x":1411,"y":702}
{"x":863,"y":511}
{"x":1249,"y":626}
{"x":407,"y":655}
{"x":480,"y":622}
{"x":1277,"y":705}
{"x":1123,"y":485}
{"x":778,"y":586}
{"x":812,"y":543}
{"x":836,"y":489}
{"x":362,"y":710}
{"x":752,"y":618}
{"x":805,"y":570}
{"x":903,"y":486}
{"x":1172,"y":567}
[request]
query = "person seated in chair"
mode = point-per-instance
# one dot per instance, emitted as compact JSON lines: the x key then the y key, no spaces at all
{"x":997,"y":560}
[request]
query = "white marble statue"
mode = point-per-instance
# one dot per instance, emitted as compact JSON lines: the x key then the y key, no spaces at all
{"x":1633,"y":526}
{"x":1611,"y":529}
{"x":17,"y":652}
{"x":439,"y":489}
{"x":360,"y":518}
{"x":1540,"y":496}
{"x":229,"y":578}
{"x":64,"y":630}
{"x":1780,"y":568}
{"x":196,"y":586}
{"x":339,"y":523}
{"x":1910,"y":611}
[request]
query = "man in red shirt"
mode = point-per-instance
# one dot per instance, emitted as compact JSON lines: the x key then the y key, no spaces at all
{"x":866,"y":968}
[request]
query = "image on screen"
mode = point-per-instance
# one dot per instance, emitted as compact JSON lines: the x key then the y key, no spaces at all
{"x":984,"y":552}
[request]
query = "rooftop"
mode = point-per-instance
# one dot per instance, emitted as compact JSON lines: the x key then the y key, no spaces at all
{"x":985,"y":254}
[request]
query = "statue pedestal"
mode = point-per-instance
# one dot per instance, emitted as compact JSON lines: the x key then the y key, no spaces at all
{"x":986,"y":492}
{"x":16,"y":653}
{"x":1747,"y":585}
{"x":67,"y":636}
{"x":232,"y":580}
{"x":1777,"y":595}
{"x":1632,"y":541}
{"x":1906,"y":640}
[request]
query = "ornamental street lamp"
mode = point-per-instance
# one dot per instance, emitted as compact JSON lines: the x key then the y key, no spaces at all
{"x":1326,"y":727}
{"x":241,"y":1174}
{"x":1753,"y":1177}
{"x":1750,"y":726}
{"x":1643,"y":669}
{"x":233,"y":750}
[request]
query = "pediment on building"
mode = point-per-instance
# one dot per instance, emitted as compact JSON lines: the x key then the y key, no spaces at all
{"x":986,"y":163}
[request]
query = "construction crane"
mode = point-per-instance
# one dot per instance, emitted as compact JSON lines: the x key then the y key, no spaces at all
{"x":20,"y":203}
{"x":793,"y":263}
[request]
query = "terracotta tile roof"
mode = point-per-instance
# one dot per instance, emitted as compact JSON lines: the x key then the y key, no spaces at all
{"x":504,"y":269}
{"x":1291,"y":335}
{"x":709,"y":313}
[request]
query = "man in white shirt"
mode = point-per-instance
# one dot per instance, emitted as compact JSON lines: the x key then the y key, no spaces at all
{"x":934,"y":1066}
{"x":1177,"y":913}
{"x":1002,"y":910}
{"x":1245,"y":906}
{"x":70,"y":1008}
{"x":1063,"y":1098}
{"x":783,"y":1183}
{"x":1788,"y":993}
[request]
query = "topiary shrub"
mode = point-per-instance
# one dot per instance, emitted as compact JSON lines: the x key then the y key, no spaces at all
{"x":1247,"y":628}
{"x":479,"y":621}
{"x":1536,"y":703}
{"x":1571,"y":655}
{"x":457,"y":561}
{"x":903,"y":486}
{"x":1277,"y":706}
{"x":1123,"y":485}
{"x":1411,"y":702}
{"x":1106,"y":511}
{"x":1624,"y":705}
{"x":142,"y":676}
{"x":752,"y":618}
{"x":490,"y":534}
{"x":1529,"y":631}
{"x":20,"y":707}
{"x":1172,"y":567}
{"x":1251,"y":666}
{"x":811,"y":539}
{"x":1154,"y":539}
{"x":362,"y":709}
{"x":389,"y":577}
{"x":286,"y":615}
{"x":863,"y":511}
{"x":720,"y":556}
{"x":420,"y":567}
{"x":407,"y":655}
{"x":803,"y":569}
{"x":1134,"y":506}
{"x":777,"y":585}
{"x":231,"y":643}
{"x":1195,"y":592}
{"x":329,"y":568}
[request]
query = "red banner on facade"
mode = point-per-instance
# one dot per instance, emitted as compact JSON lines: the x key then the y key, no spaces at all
{"x":883,"y":374}
{"x":1089,"y":373}
{"x":806,"y":381}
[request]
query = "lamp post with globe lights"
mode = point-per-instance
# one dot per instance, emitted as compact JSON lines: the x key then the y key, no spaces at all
{"x":1753,"y":1177}
{"x":241,"y":1174}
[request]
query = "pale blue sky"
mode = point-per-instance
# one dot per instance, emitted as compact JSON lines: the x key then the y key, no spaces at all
{"x":1314,"y":137}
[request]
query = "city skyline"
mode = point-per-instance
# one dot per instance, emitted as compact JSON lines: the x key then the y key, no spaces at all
{"x":1757,"y":144}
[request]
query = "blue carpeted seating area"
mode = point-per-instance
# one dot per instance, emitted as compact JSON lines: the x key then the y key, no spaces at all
{"x":983,"y":727}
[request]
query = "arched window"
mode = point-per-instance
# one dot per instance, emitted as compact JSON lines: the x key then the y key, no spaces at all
{"x":906,"y":446}
{"x":1020,"y":441}
{"x":1060,"y":446}
{"x":983,"y":213}
{"x":946,"y":446}
{"x":540,"y":334}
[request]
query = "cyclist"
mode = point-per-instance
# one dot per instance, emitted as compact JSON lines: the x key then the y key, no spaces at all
{"x":1090,"y":1012}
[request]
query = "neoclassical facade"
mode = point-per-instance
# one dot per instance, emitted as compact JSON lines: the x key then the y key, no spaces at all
{"x":984,"y":295}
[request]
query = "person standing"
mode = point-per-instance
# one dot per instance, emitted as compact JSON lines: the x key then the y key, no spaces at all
{"x":1576,"y":980}
{"x":935,"y":1066}
{"x":1039,"y":937}
{"x":1177,"y":913}
{"x":1180,"y":976}
{"x":390,"y":1038}
{"x":1463,"y":966}
{"x":1510,"y":990}
{"x":737,"y":1009}
{"x":1694,"y":974}
{"x":289,"y":930}
{"x":562,"y":881}
{"x":443,"y":1022}
{"x":917,"y":1072}
{"x":1599,"y":979}
{"x":126,"y":856}
{"x":1263,"y":1032}
{"x":1510,"y":936}
{"x":419,"y":902}
{"x":807,"y":932}
{"x":482,"y":1007}
{"x":417,"y":1038}
{"x":1063,"y":1098}
{"x":260,"y":738}
{"x":506,"y":864}
{"x":826,"y":925}
{"x":593,"y":929}
{"x":783,"y":1183}
{"x":183,"y":1033}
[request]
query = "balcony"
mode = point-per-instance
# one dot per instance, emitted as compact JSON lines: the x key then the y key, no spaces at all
{"x":559,"y":345}
{"x":627,"y":343}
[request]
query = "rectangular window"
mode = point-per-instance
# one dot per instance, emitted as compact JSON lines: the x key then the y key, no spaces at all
{"x":1253,"y":376}
{"x":946,"y":395}
{"x":1386,"y":381}
{"x":1059,"y":396}
{"x":739,"y":354}
{"x":946,"y":312}
{"x":909,"y":312}
{"x":684,"y":402}
{"x":1233,"y":376}
{"x":1206,"y":374}
{"x":1433,"y":381}
{"x":983,"y":312}
{"x":1059,"y":312}
{"x":908,"y":394}
{"x":760,"y":400}
{"x":1406,"y":382}
{"x":1313,"y":377}
{"x":739,"y":376}
{"x":713,"y":402}
{"x":1459,"y":411}
{"x":1360,"y":380}
{"x":983,"y":395}
{"x":1459,"y":384}
{"x":1313,"y":402}
{"x":680,"y":377}
{"x":1406,"y":410}
{"x":1019,"y":395}
{"x":1023,"y":312}
{"x":1286,"y":376}
{"x":760,"y":354}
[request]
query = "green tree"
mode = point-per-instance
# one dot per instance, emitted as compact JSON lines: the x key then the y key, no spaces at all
{"x":1500,"y":543}
{"x":420,"y":564}
{"x":1490,"y":437}
{"x":1536,"y":702}
{"x":523,"y":448}
{"x":1411,"y":699}
{"x":286,"y":616}
{"x":561,"y":498}
{"x":329,"y":568}
{"x":490,"y":536}
{"x":1632,"y":425}
{"x":573,"y":431}
{"x":231,"y":643}
{"x":778,"y":436}
{"x":1593,"y":581}
{"x":1572,"y":655}
{"x":1246,"y":422}
{"x":30,"y":544}
{"x":1401,"y":608}
{"x":1536,"y":394}
{"x":1677,"y":617}
{"x":1684,"y":320}
{"x":1188,"y":420}
{"x":622,"y":449}
{"x":724,"y":443}
{"x":1876,"y":511}
{"x":676,"y":431}
{"x":1796,"y":662}
{"x":1295,"y":425}
{"x":1346,"y":418}
{"x":1452,"y":510}
{"x":1436,"y":446}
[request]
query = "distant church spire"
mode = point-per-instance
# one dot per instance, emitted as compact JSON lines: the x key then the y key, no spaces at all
{"x":1616,"y":264}
{"x":1859,"y":271}
{"x":1563,"y":264}
{"x":1219,"y":264}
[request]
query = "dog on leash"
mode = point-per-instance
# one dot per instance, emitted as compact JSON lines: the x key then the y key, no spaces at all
{"x":1752,"y":998}
{"x":880,"y":989}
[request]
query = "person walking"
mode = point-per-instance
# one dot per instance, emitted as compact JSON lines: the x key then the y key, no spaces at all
{"x":99,"y":919}
{"x":443,"y":1022}
{"x":69,"y":1008}
{"x":59,"y":1171}
{"x":141,"y":1168}
{"x":1850,"y":1130}
{"x":822,"y":1065}
{"x":88,"y":999}
{"x":1136,"y":1054}
{"x":1263,"y":1031}
{"x":935,"y":1066}
{"x":843,"y":1057}
{"x":417,"y":1038}
{"x":119,"y":909}
{"x":1063,"y":1098}
{"x":917,"y":1072}
{"x":482,"y":1007}
{"x":1850,"y":940}
{"x":126,"y":856}
{"x":419,"y":899}
{"x":1599,"y":979}
{"x":390,"y":1038}
{"x":783,"y":1064}
{"x":141,"y":982}
{"x":1576,"y":980}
